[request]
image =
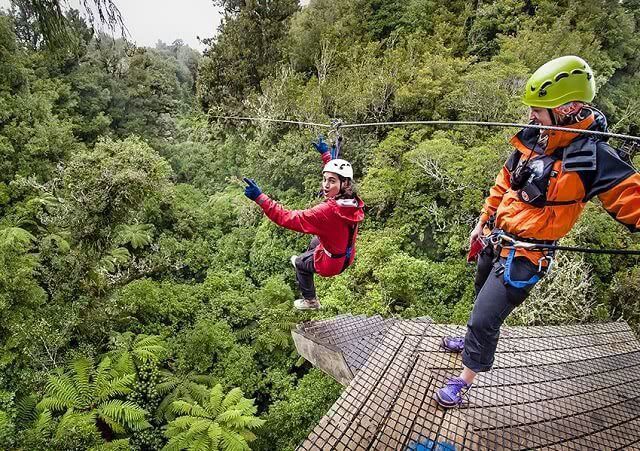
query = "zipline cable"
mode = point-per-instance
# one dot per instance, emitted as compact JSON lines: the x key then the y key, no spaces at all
{"x":284,"y":121}
{"x":336,"y":125}
{"x":464,"y":123}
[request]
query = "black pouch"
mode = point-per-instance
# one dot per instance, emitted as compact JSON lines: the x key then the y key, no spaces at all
{"x":530,"y":193}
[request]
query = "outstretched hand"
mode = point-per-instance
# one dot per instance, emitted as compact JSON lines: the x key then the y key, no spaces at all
{"x":252,"y":190}
{"x":320,"y":146}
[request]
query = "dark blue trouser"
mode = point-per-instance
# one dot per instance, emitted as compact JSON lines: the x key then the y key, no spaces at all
{"x":305,"y":270}
{"x":494,"y":302}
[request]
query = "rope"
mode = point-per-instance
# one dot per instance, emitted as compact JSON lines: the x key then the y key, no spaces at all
{"x":471,"y":123}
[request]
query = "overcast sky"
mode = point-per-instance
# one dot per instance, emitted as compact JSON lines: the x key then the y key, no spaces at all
{"x":167,"y":20}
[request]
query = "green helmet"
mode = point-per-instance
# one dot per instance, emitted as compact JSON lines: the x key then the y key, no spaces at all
{"x":559,"y":81}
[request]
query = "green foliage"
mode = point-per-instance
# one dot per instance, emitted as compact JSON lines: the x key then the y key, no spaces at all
{"x":289,"y":419}
{"x":244,"y":51}
{"x":125,"y":238}
{"x":87,"y":397}
{"x":624,"y":298}
{"x":219,"y":422}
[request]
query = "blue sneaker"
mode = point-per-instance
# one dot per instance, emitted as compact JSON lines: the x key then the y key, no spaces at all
{"x":451,"y":394}
{"x":453,"y":344}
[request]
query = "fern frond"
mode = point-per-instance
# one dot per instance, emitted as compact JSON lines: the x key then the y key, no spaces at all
{"x":139,"y":235}
{"x":198,"y":392}
{"x":184,"y":423}
{"x":72,"y":420}
{"x":246,"y":406}
{"x":203,"y":379}
{"x":167,"y":386}
{"x":120,"y":255}
{"x":124,"y":413}
{"x":185,"y":408}
{"x":149,"y":348}
{"x":26,"y":410}
{"x":43,"y":421}
{"x":232,"y":398}
{"x":16,"y":238}
{"x":233,"y":441}
{"x":123,"y":364}
{"x":253,"y":422}
{"x":248,"y":436}
{"x":199,"y":427}
{"x":229,"y":417}
{"x":62,"y":393}
{"x":200,"y":444}
{"x":176,"y":442}
{"x":215,"y":435}
{"x":115,"y":427}
{"x":119,"y":386}
{"x":82,"y":369}
{"x":215,"y":400}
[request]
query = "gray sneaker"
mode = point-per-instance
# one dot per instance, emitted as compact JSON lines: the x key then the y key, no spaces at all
{"x":307,"y":304}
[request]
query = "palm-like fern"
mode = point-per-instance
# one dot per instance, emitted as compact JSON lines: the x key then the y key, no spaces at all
{"x":88,"y":395}
{"x":116,"y":257}
{"x":133,"y":350}
{"x":190,"y":388}
{"x":138,"y":235}
{"x":218,"y":423}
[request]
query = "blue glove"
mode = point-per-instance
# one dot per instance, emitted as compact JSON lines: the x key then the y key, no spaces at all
{"x":252,"y":191}
{"x":320,"y":146}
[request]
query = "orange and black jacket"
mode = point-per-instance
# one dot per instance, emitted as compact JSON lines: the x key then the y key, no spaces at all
{"x":570,"y":170}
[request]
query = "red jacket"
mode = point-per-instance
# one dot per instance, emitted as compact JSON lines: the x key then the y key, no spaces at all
{"x":330,"y":221}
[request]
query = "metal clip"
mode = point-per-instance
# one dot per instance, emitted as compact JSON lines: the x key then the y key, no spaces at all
{"x":550,"y":263}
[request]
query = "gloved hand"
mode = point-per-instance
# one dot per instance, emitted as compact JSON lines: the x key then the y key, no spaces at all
{"x":252,"y":191}
{"x":320,"y":146}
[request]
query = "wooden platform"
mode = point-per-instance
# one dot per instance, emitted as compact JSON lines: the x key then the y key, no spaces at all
{"x":560,"y":388}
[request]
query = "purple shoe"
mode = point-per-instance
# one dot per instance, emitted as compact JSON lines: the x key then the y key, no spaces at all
{"x":451,"y":394}
{"x":453,"y":344}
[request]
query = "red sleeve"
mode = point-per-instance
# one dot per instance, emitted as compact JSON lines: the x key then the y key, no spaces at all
{"x":623,"y":202}
{"x":312,"y":220}
{"x":326,"y":157}
{"x":495,"y":194}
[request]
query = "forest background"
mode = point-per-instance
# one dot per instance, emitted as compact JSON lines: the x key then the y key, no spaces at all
{"x":145,"y":302}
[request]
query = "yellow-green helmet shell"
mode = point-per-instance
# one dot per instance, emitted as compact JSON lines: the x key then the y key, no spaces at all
{"x":562,"y":80}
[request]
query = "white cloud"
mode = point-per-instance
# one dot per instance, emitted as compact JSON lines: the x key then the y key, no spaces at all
{"x":151,"y":20}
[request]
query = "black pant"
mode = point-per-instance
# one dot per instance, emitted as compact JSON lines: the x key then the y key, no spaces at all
{"x":305,"y":270}
{"x":494,"y":302}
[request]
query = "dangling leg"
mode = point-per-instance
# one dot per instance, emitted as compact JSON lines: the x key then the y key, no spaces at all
{"x":304,"y":275}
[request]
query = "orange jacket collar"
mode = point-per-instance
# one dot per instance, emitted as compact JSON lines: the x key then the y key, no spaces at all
{"x":557,"y":139}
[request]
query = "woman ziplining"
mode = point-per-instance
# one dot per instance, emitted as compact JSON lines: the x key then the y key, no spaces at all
{"x":334,"y":224}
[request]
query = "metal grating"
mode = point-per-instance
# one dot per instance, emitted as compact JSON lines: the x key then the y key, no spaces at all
{"x":560,"y":388}
{"x":355,"y":337}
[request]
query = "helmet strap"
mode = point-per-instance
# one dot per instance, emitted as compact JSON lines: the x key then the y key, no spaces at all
{"x":552,"y":115}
